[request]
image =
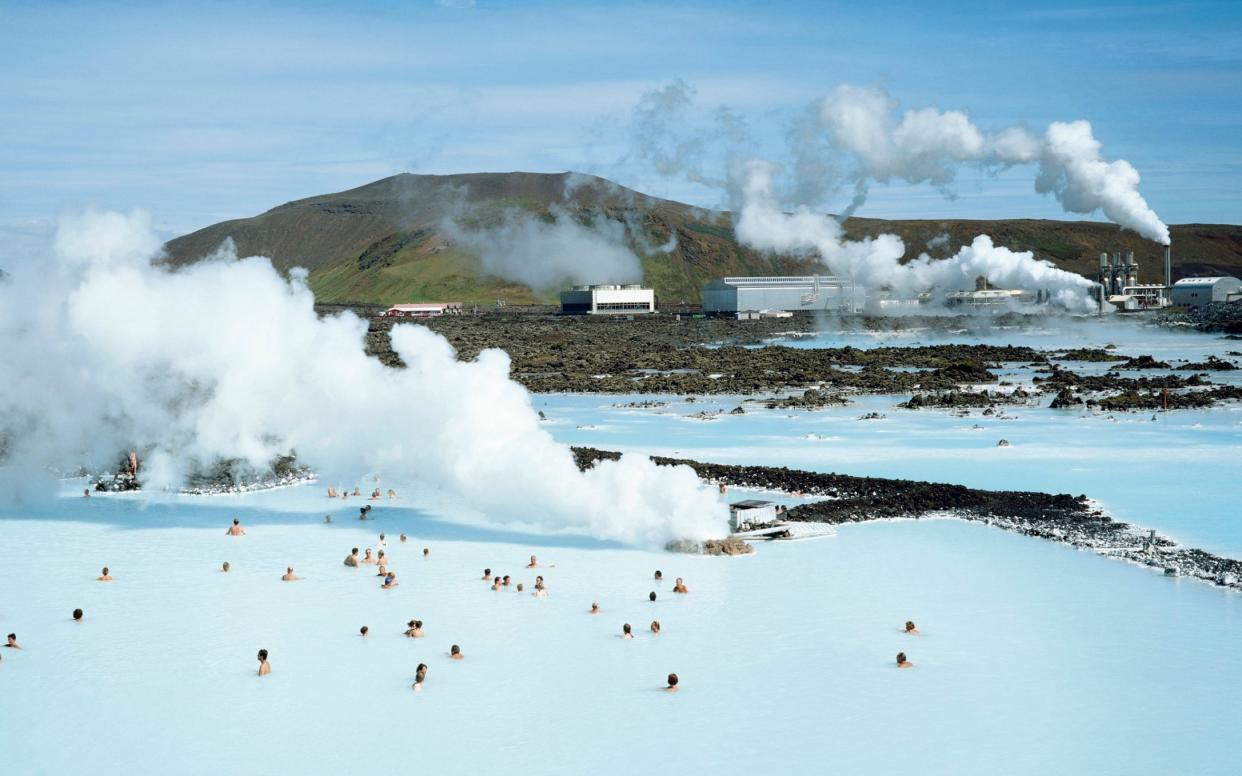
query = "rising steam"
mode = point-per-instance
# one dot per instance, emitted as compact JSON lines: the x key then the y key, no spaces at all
{"x":104,"y":353}
{"x":550,"y":253}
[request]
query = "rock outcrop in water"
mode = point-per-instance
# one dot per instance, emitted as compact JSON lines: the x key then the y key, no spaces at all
{"x":1062,"y":518}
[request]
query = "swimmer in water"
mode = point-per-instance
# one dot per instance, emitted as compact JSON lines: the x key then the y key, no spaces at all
{"x":368,"y":558}
{"x":655,"y":627}
{"x":357,"y":492}
{"x":332,"y":492}
{"x":651,"y":596}
{"x":289,"y":575}
{"x":902,"y":662}
{"x":327,"y":518}
{"x":496,"y":583}
{"x":382,"y":544}
{"x":11,"y":643}
{"x":380,"y":559}
{"x":265,"y":668}
{"x":364,"y":630}
{"x":87,"y":493}
{"x":403,"y":538}
{"x":351,"y":559}
{"x":534,"y":563}
{"x":680,"y":587}
{"x":455,"y":652}
{"x":235,"y":529}
{"x":375,"y":494}
{"x":362,"y":513}
{"x":392,"y":493}
{"x":672,"y":683}
{"x":225,"y":567}
{"x":519,"y":587}
{"x":626,"y":631}
{"x":540,"y":592}
{"x":659,"y":576}
{"x":426,"y":552}
{"x":487,"y":574}
{"x":77,"y":615}
{"x":105,"y":576}
{"x":390,"y":581}
{"x":415,"y":629}
{"x":506,"y":580}
{"x":595,"y":608}
{"x":382,"y":571}
{"x":420,"y":676}
{"x":910,"y":629}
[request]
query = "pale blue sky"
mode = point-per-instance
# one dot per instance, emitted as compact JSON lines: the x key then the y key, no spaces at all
{"x":218,"y":110}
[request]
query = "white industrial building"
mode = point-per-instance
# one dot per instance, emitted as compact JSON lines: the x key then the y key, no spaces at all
{"x":426,"y":310}
{"x":607,"y":300}
{"x":753,"y":294}
{"x":1199,"y":292}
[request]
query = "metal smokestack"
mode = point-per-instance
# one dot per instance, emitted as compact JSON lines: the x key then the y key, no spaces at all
{"x":1168,"y":266}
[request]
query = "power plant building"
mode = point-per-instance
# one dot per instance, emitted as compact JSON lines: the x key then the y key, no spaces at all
{"x":607,"y":300}
{"x":1200,"y":292}
{"x":754,"y":294}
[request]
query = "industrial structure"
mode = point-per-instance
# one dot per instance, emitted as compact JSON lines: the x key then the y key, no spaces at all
{"x":424,"y":310}
{"x":607,"y":299}
{"x":1200,"y":292}
{"x":734,"y":295}
{"x":1120,"y":287}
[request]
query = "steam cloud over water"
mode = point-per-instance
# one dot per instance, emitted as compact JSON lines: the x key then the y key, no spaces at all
{"x":105,"y":353}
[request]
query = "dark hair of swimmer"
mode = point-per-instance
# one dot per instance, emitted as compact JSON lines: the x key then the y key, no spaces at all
{"x":901,"y":658}
{"x":354,"y":551}
{"x":487,"y":572}
{"x":672,"y":680}
{"x":77,"y":614}
{"x":263,"y":654}
{"x":454,"y":650}
{"x":363,"y":630}
{"x":105,"y":571}
{"x":12,"y":637}
{"x":651,"y":596}
{"x":659,"y":575}
{"x":625,"y":628}
{"x":909,"y":625}
{"x":236,"y":521}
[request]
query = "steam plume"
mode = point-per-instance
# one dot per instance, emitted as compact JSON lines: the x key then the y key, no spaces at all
{"x":104,"y":353}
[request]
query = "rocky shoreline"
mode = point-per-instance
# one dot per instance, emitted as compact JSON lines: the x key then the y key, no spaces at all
{"x":1062,"y":518}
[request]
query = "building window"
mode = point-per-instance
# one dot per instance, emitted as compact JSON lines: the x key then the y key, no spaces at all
{"x":623,"y":306}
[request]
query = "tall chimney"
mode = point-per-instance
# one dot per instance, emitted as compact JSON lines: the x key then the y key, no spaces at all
{"x":1168,"y":266}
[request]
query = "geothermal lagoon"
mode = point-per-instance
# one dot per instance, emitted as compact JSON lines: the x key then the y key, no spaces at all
{"x":1033,"y":657}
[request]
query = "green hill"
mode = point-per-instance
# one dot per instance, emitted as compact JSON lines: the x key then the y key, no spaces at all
{"x":384,"y":242}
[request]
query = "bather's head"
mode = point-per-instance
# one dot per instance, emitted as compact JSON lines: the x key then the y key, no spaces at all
{"x":263,"y":655}
{"x":77,"y":614}
{"x":454,"y":650}
{"x":651,"y":596}
{"x":226,"y":566}
{"x":364,"y":630}
{"x":901,"y":658}
{"x":909,"y":625}
{"x":672,"y":680}
{"x":626,"y":629}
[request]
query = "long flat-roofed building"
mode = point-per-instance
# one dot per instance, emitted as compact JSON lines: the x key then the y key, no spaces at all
{"x":1200,"y":292}
{"x":607,"y":299}
{"x":794,"y":293}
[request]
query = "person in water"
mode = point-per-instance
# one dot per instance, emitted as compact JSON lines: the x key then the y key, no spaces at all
{"x":332,"y":492}
{"x":357,"y":492}
{"x":426,"y":552}
{"x":455,"y":652}
{"x":902,"y":662}
{"x":496,"y":583}
{"x":392,"y":493}
{"x":382,"y":544}
{"x":390,"y":581}
{"x":86,"y":493}
{"x":910,"y":629}
{"x":375,"y":494}
{"x":382,"y":571}
{"x":519,"y":587}
{"x":680,"y":587}
{"x":651,"y":596}
{"x":364,"y":630}
{"x":235,"y":529}
{"x":403,"y":538}
{"x":77,"y":615}
{"x":595,"y":608}
{"x":506,"y":580}
{"x":420,"y":676}
{"x":351,"y":559}
{"x":362,"y":513}
{"x":289,"y":576}
{"x":672,"y":683}
{"x":534,"y":563}
{"x":368,"y":558}
{"x":540,"y":592}
{"x":11,"y":641}
{"x":659,"y":576}
{"x":415,"y":630}
{"x":655,"y":627}
{"x":380,"y":559}
{"x":626,"y":631}
{"x":327,"y":518}
{"x":487,"y":574}
{"x":225,"y":567}
{"x":105,"y":576}
{"x":265,"y":668}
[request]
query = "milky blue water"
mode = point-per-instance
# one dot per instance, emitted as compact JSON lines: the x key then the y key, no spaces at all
{"x":1034,"y":658}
